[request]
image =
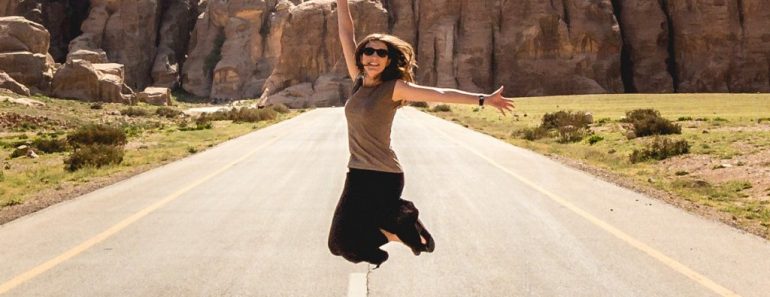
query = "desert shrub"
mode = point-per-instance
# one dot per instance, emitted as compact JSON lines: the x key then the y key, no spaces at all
{"x":96,"y":134}
{"x":660,"y":148}
{"x":94,"y":155}
{"x":280,"y":108}
{"x":568,"y":126}
{"x":559,"y":119}
{"x":134,"y":112}
{"x":168,"y":112}
{"x":571,"y":134}
{"x":441,"y":108}
{"x":50,"y":145}
{"x":531,"y":134}
{"x":648,"y":122}
{"x":419,"y":104}
{"x":97,"y":105}
{"x":246,"y":115}
{"x":594,"y":139}
{"x":20,"y":151}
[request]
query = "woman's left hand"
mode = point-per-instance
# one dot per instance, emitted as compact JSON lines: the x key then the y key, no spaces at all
{"x":498,"y":101}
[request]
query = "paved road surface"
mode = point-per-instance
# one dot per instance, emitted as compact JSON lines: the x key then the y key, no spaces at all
{"x":250,"y":218}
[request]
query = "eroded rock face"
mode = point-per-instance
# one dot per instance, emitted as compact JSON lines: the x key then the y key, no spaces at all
{"x":234,"y":48}
{"x":751,"y":72}
{"x":126,"y":32}
{"x":250,"y":48}
{"x":310,"y":52}
{"x":177,"y":21}
{"x":704,"y":51}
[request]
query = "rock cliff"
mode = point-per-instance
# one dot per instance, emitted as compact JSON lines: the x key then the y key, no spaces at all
{"x":288,"y":50}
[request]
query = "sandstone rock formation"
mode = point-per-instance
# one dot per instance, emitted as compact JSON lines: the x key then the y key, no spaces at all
{"x":81,"y":79}
{"x":155,"y":96}
{"x":177,"y":21}
{"x":8,"y":83}
{"x":310,"y":52}
{"x":24,"y":53}
{"x":287,"y":50}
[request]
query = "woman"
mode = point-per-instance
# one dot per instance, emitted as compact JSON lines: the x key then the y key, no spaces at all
{"x":370,"y":211}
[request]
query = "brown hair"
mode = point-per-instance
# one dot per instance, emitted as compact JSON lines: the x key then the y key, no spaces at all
{"x":400,"y":52}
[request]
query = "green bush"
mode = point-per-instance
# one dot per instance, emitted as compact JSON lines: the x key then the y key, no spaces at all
{"x":441,"y":108}
{"x":247,"y":115}
{"x":531,"y":134}
{"x":660,"y":148}
{"x":280,"y":108}
{"x":94,"y":155}
{"x":648,"y":122}
{"x":594,"y":139}
{"x":559,"y":119}
{"x":420,"y":104}
{"x":570,"y":133}
{"x":96,"y":134}
{"x":50,"y":145}
{"x":203,"y":122}
{"x":97,"y":105}
{"x":134,"y":112}
{"x":168,"y":112}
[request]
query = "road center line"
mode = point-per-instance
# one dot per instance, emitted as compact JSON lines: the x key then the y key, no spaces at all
{"x":357,"y":285}
{"x":668,"y":261}
{"x":34,"y":272}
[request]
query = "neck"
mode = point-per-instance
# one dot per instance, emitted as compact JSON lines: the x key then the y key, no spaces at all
{"x":370,"y":82}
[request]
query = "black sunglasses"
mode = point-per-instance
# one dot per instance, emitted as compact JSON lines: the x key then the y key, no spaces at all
{"x":380,"y":52}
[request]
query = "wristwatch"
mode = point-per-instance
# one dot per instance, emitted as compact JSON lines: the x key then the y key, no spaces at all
{"x":481,"y":100}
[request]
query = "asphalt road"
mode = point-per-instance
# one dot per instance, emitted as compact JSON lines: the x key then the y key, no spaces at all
{"x":250,"y":218}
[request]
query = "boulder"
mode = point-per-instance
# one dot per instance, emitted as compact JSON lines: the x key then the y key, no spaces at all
{"x":18,"y":34}
{"x":155,"y":96}
{"x":81,"y":79}
{"x":24,"y":53}
{"x":7,"y":82}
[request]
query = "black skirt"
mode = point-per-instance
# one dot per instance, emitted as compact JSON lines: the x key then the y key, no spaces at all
{"x":370,"y":201}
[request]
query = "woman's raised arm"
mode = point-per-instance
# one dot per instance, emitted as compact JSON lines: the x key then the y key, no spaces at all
{"x":347,"y":37}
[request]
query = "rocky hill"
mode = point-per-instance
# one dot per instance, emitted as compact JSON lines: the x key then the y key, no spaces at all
{"x":288,"y":50}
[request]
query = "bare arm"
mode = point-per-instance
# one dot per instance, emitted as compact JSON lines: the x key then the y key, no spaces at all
{"x":347,"y":36}
{"x":414,"y":92}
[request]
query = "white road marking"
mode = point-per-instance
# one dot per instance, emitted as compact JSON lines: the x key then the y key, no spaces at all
{"x":357,"y":285}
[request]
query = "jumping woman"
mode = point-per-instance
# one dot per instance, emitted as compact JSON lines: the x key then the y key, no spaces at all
{"x":370,"y":212}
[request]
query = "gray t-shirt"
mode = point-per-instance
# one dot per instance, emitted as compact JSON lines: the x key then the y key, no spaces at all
{"x":369,"y":113}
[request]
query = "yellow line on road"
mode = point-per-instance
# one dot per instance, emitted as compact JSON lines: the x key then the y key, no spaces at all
{"x":34,"y":272}
{"x":668,"y":261}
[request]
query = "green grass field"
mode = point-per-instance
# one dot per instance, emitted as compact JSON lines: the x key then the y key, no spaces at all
{"x":727,"y":169}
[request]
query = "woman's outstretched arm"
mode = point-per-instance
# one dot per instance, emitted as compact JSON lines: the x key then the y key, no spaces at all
{"x":414,"y":92}
{"x":347,"y":36}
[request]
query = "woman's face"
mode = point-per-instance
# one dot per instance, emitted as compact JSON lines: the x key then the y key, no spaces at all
{"x":373,"y":63}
